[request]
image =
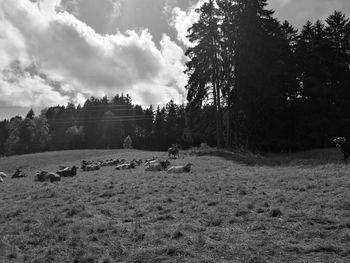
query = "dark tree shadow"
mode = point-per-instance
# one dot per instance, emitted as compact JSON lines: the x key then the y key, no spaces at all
{"x":307,"y":158}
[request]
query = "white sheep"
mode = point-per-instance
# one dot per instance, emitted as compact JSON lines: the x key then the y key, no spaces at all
{"x":126,"y":166}
{"x":180,"y":169}
{"x":45,"y":176}
{"x":154,"y":167}
{"x":157,"y":165}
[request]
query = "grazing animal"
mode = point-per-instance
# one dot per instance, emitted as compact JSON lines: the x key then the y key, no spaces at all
{"x":3,"y":175}
{"x":67,"y":171}
{"x":344,"y":146}
{"x":173,"y":152}
{"x":180,"y":169}
{"x":19,"y":174}
{"x":45,"y":176}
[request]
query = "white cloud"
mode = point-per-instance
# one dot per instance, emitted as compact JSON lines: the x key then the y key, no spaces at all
{"x":183,"y":20}
{"x":29,"y":91}
{"x":81,"y":60}
{"x":101,"y":15}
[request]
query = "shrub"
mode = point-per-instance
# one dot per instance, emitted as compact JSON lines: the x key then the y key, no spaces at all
{"x":127,"y":143}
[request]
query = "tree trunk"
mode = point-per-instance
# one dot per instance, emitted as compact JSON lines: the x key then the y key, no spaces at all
{"x":216,"y":117}
{"x":219,"y":111}
{"x":217,"y":99}
{"x":228,"y":124}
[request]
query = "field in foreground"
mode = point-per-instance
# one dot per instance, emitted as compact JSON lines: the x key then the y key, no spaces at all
{"x":230,"y":208}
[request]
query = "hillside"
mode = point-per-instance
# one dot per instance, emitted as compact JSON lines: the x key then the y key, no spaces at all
{"x":230,"y":208}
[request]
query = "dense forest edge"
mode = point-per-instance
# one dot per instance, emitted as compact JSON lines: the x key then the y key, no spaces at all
{"x":254,"y":83}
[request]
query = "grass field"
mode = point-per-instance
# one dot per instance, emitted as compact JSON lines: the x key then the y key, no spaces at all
{"x":230,"y":208}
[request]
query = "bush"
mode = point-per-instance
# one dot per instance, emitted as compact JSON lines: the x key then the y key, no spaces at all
{"x":127,"y":143}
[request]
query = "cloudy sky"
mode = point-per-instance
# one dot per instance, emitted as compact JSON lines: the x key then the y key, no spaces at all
{"x":58,"y":51}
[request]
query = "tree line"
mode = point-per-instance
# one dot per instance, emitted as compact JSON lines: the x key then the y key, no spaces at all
{"x":272,"y":88}
{"x":253,"y":82}
{"x":101,"y":123}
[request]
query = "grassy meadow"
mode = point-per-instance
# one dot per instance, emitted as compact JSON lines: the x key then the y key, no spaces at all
{"x":229,"y":208}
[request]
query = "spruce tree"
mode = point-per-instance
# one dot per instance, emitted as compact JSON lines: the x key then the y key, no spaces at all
{"x":204,"y":66}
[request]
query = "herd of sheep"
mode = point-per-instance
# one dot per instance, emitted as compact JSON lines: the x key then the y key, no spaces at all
{"x":151,"y":165}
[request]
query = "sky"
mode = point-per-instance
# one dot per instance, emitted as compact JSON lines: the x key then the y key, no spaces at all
{"x":57,"y":51}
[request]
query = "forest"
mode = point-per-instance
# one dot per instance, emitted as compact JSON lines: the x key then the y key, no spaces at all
{"x":254,"y":83}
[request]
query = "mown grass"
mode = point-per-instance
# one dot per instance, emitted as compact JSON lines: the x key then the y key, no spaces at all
{"x":230,"y":208}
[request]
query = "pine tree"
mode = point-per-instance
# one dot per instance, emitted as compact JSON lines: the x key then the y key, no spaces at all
{"x":258,"y":91}
{"x":204,"y":66}
{"x":30,"y":114}
{"x":159,"y":129}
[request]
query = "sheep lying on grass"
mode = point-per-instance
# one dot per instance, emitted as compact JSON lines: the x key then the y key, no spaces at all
{"x":157,"y":165}
{"x":126,"y":166}
{"x":92,"y":167}
{"x":67,"y":171}
{"x":19,"y":174}
{"x":150,"y":160}
{"x":2,"y":176}
{"x":180,"y":169}
{"x":137,"y":162}
{"x":45,"y":176}
{"x":111,"y":162}
{"x":344,"y":146}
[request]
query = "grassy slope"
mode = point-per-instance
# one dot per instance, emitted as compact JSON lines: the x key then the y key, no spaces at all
{"x":220,"y":212}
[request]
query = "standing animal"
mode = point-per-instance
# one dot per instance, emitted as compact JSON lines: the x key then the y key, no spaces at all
{"x":180,"y":169}
{"x":173,"y":152}
{"x":19,"y":174}
{"x":344,"y":146}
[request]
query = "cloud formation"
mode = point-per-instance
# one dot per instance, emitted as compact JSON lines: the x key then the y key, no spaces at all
{"x":69,"y":52}
{"x":183,"y":20}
